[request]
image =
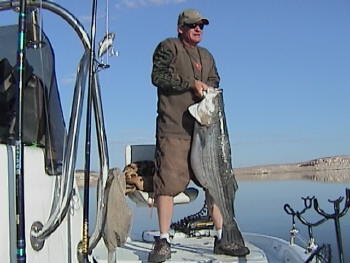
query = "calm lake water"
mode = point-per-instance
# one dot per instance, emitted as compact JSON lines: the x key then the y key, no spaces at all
{"x":259,"y":208}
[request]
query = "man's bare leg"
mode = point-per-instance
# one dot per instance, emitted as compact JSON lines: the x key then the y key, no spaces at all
{"x":217,"y":220}
{"x":165,"y":206}
{"x":215,"y":214}
{"x":161,"y":250}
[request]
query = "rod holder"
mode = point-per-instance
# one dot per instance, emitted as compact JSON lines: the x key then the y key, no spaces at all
{"x":336,"y":215}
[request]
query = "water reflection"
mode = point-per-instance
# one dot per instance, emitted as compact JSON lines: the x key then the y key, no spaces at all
{"x":339,"y":176}
{"x":331,"y":176}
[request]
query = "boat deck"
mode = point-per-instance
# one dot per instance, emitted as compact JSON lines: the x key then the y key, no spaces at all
{"x":188,"y":250}
{"x":201,"y":250}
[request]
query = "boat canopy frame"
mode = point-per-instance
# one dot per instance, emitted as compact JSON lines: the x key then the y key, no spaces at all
{"x":64,"y":184}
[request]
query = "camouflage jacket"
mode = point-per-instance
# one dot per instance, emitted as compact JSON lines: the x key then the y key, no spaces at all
{"x":175,"y":69}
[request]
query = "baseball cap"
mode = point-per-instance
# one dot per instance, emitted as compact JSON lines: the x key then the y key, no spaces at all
{"x":191,"y":16}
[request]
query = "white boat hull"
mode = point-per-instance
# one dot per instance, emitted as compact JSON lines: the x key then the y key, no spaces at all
{"x":38,"y":193}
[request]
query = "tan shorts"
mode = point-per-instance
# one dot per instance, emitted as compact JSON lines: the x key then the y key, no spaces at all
{"x":173,"y":169}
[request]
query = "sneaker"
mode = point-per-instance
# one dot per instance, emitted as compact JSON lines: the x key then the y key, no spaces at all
{"x":161,"y":251}
{"x":230,"y":249}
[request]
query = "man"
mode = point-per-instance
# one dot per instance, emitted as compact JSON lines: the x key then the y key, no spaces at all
{"x":182,"y":71}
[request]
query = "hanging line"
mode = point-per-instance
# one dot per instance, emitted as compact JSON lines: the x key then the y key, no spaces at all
{"x":107,"y":25}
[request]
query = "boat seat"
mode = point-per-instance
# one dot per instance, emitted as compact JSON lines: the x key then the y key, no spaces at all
{"x":136,"y":154}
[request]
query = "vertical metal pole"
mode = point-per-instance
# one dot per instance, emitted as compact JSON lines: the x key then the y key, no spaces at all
{"x":338,"y":232}
{"x":88,"y":136}
{"x":20,"y":211}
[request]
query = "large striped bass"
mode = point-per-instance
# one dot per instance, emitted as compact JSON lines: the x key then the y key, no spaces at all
{"x":211,"y":161}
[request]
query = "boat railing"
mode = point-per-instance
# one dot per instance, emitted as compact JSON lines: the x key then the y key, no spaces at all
{"x":64,"y":185}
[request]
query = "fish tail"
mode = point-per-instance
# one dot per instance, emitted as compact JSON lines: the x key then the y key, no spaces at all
{"x":231,"y":234}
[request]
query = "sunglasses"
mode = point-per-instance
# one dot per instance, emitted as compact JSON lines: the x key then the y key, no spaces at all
{"x":201,"y":25}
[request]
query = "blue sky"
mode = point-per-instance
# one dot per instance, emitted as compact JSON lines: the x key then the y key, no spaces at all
{"x":284,"y":67}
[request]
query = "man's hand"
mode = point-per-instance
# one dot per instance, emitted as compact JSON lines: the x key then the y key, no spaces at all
{"x":199,"y":88}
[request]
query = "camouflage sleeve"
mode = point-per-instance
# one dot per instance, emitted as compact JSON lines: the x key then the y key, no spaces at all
{"x":213,"y":77}
{"x":164,"y":74}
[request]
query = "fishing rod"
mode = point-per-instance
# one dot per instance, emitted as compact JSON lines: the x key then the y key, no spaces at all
{"x":85,"y":238}
{"x":19,"y":162}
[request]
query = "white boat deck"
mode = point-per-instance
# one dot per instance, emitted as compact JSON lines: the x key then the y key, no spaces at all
{"x":186,"y":250}
{"x":201,"y":250}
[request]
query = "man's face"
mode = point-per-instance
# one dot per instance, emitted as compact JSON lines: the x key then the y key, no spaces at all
{"x":192,"y":33}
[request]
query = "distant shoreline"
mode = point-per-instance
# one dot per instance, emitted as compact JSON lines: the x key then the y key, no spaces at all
{"x":334,"y":169}
{"x":326,"y":169}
